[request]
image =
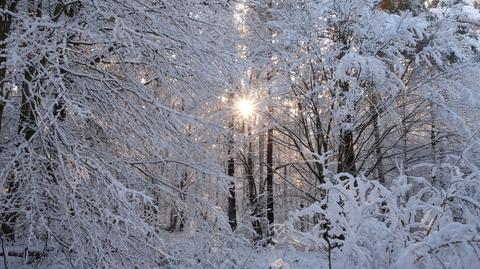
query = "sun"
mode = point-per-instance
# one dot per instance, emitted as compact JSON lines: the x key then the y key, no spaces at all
{"x":245,"y":107}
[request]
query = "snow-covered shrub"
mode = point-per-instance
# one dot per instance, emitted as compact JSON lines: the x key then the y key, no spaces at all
{"x":412,"y":224}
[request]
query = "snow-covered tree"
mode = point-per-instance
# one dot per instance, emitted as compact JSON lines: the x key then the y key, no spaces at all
{"x":105,"y":128}
{"x":147,"y":134}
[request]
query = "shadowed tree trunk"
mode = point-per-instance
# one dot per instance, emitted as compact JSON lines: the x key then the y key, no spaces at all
{"x":269,"y":180}
{"x":252,"y":188}
{"x":5,"y":24}
{"x":378,"y":150}
{"x":377,"y":140}
{"x":26,"y":129}
{"x":177,"y":214}
{"x":232,"y":207}
{"x":346,"y":155}
{"x":28,"y":107}
{"x":392,"y":4}
{"x":346,"y":151}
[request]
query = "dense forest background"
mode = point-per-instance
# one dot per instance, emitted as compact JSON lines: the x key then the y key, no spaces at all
{"x":240,"y":134}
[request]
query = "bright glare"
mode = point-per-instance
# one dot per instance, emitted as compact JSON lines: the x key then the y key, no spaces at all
{"x":245,"y":107}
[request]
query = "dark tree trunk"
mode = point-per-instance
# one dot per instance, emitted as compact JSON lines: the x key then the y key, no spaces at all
{"x":252,"y":189}
{"x":392,"y":5}
{"x":269,"y":180}
{"x":5,"y":25}
{"x":232,"y":207}
{"x":346,"y":158}
{"x":3,"y":96}
{"x":377,"y":143}
{"x":181,"y":213}
{"x":177,"y":214}
{"x":26,"y":128}
{"x":378,"y":150}
{"x":346,"y":151}
{"x":27,"y":107}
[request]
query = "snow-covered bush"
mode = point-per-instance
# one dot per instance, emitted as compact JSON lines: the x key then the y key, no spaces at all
{"x":412,"y":224}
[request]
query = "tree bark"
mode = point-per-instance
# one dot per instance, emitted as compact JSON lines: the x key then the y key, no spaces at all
{"x":269,"y":180}
{"x":377,"y":143}
{"x":252,"y":189}
{"x":378,"y":150}
{"x":232,"y":207}
{"x":5,"y":25}
{"x":26,"y":130}
{"x":346,"y":158}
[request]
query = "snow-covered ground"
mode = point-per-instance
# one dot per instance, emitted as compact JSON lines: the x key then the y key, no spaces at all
{"x":287,"y":257}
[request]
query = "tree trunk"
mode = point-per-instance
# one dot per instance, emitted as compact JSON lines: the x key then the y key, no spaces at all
{"x":5,"y":24}
{"x":177,"y":214}
{"x":377,"y":143}
{"x":378,"y":150}
{"x":346,"y":158}
{"x":181,"y":213}
{"x":346,"y":151}
{"x":270,"y":215}
{"x":261,"y":163}
{"x":392,"y":5}
{"x":27,"y":108}
{"x":232,"y":208}
{"x":252,"y":188}
{"x":26,"y":130}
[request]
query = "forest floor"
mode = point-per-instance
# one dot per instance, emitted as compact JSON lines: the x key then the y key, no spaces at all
{"x":287,"y":257}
